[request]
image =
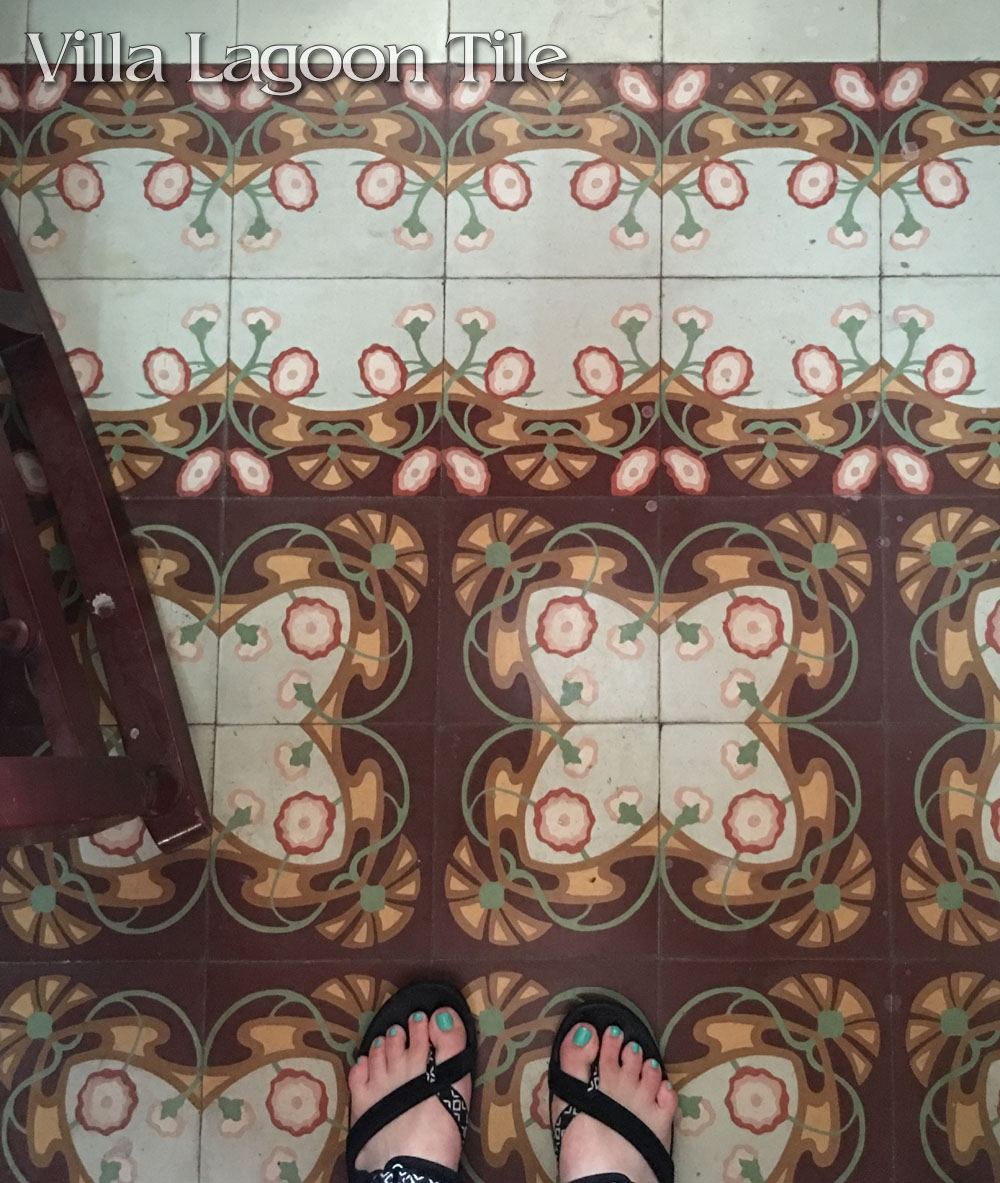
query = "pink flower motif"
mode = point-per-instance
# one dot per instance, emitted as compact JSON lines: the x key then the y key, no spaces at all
{"x":236,"y":1127}
{"x":422,"y":313}
{"x":753,"y":627}
{"x":273,"y":1171}
{"x":942,"y":183}
{"x":253,"y":650}
{"x":949,"y":370}
{"x":252,"y":243}
{"x":303,"y":826}
{"x":382,"y":371}
{"x":922,"y":317}
{"x":209,"y":313}
{"x":164,"y":1124}
{"x":848,"y":240}
{"x":467,"y":242}
{"x":732,"y":1168}
{"x":507,"y":185}
{"x":120,"y":1155}
{"x":692,"y":650}
{"x":264,"y":317}
{"x":252,"y":99}
{"x":729,"y":691}
{"x":754,"y":822}
{"x":58,"y":320}
{"x":425,"y":94}
{"x":483,"y":319}
{"x":722,"y":184}
{"x":297,"y":1102}
{"x":10,"y":100}
{"x":539,"y":1107}
{"x":509,"y":373}
{"x":106,"y":1102}
{"x":168,"y":184}
{"x":595,"y":184}
{"x":904,"y":86}
{"x":283,"y":762}
{"x":908,"y":469}
{"x":287,"y":698}
{"x":47,"y":242}
{"x":690,"y":242}
{"x":628,"y":240}
{"x":993,"y":628}
{"x":563,"y":820}
{"x":467,"y":96}
{"x":566,"y":626}
{"x":693,"y":1126}
{"x":727,"y":372}
{"x":850,"y":85}
{"x":688,"y":471}
{"x":812,"y":183}
{"x":293,"y":373}
{"x":212,"y":95}
{"x":817,"y":369}
{"x":312,"y":628}
{"x":122,"y":840}
{"x":80,"y":186}
{"x":687,"y":88}
{"x":199,"y":242}
{"x":629,"y":650}
{"x":587,"y":749}
{"x":416,"y":471}
{"x":846,"y":312}
{"x":730,"y":753}
{"x":184,"y":650}
{"x":638,"y":312}
{"x":598,"y":371}
{"x":199,"y":472}
{"x":757,"y":1100}
{"x":46,"y":96}
{"x":293,"y":185}
{"x":31,"y":473}
{"x":689,"y":795}
{"x":635,"y":88}
{"x":166,"y":372}
{"x":900,"y":241}
{"x":245,"y":799}
{"x":468,"y":472}
{"x":380,"y":184}
{"x":251,"y":472}
{"x":691,"y":314}
{"x":88,"y":369}
{"x":589,"y":689}
{"x":627,"y":795}
{"x":634,"y":471}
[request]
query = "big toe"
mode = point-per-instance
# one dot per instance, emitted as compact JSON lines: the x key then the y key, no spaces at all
{"x":578,"y":1051}
{"x":447,"y":1034}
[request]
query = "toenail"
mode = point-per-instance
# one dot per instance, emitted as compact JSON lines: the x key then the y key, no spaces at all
{"x":377,"y":1042}
{"x":654,"y":1063}
{"x":418,"y":1017}
{"x":444,"y":1021}
{"x":615,"y":1032}
{"x":393,"y":1030}
{"x":634,"y":1048}
{"x":669,"y":1085}
{"x":581,"y":1037}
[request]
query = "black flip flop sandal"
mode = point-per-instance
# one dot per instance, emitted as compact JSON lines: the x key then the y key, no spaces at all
{"x":587,"y":1098}
{"x":438,"y":1081}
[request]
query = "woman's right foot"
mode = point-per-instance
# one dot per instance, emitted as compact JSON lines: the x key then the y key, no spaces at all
{"x":590,"y":1148}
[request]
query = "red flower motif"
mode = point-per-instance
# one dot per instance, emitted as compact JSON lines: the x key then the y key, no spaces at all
{"x":10,"y":100}
{"x":812,"y":183}
{"x":687,"y":88}
{"x":754,"y":822}
{"x":753,"y":627}
{"x":425,"y":94}
{"x":995,"y":818}
{"x":293,"y":373}
{"x":722,"y":184}
{"x":468,"y":472}
{"x":818,"y":370}
{"x":416,"y":471}
{"x":635,"y":88}
{"x":595,"y":184}
{"x":904,"y":86}
{"x":727,"y":372}
{"x":381,"y":184}
{"x":304,"y":823}
{"x":297,"y":1102}
{"x":80,"y":186}
{"x":949,"y":370}
{"x":850,"y":84}
{"x":168,"y":184}
{"x":467,"y":96}
{"x":688,"y":471}
{"x":757,"y":1100}
{"x":88,"y":370}
{"x":564,"y":821}
{"x":507,"y":185}
{"x":211,"y":94}
{"x":539,"y":1108}
{"x":856,"y":471}
{"x":121,"y":840}
{"x":166,"y":372}
{"x":46,"y":96}
{"x":566,"y":626}
{"x":942,"y":183}
{"x":382,"y":371}
{"x":993,"y":628}
{"x":509,"y":373}
{"x":634,"y":471}
{"x":312,"y":628}
{"x":251,"y":472}
{"x":598,"y":371}
{"x":293,"y":185}
{"x":106,"y":1101}
{"x":909,"y":469}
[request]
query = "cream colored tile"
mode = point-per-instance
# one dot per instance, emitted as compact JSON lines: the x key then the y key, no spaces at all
{"x":13,"y":23}
{"x":931,"y":29}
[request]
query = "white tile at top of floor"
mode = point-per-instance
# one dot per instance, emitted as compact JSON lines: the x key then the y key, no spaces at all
{"x":163,"y":25}
{"x":956,"y":30}
{"x":13,"y":24}
{"x":771,"y":30}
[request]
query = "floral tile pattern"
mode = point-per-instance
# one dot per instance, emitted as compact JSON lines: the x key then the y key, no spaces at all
{"x":569,"y":508}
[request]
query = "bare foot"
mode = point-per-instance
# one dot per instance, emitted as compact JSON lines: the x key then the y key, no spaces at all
{"x":590,"y":1148}
{"x":428,"y":1130}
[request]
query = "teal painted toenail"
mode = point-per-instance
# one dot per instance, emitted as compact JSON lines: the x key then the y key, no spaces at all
{"x":615,"y":1032}
{"x":419,"y":1016}
{"x":393,"y":1030}
{"x":634,"y":1048}
{"x":581,"y":1037}
{"x":654,"y":1063}
{"x":444,"y":1021}
{"x":378,"y":1042}
{"x":669,"y":1086}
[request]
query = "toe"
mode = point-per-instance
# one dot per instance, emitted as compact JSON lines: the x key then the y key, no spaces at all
{"x":650,"y":1079}
{"x":395,"y":1048}
{"x":377,"y":1062}
{"x":631,"y":1062}
{"x":446,"y":1032}
{"x":666,"y":1100}
{"x":357,"y":1077}
{"x":578,"y":1051}
{"x":611,"y":1050}
{"x":419,"y":1043}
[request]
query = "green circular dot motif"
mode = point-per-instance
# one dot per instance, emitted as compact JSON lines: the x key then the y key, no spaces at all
{"x":491,"y":896}
{"x":824,"y":555}
{"x":373,"y":897}
{"x":39,"y":1025}
{"x":383,"y":556}
{"x":43,"y":898}
{"x":497,"y":554}
{"x":954,"y":1021}
{"x":830,"y":1024}
{"x":942,"y":553}
{"x":827,"y":897}
{"x":950,"y":896}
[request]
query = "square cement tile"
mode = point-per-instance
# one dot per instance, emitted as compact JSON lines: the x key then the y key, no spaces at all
{"x":15,"y":24}
{"x":920,"y":31}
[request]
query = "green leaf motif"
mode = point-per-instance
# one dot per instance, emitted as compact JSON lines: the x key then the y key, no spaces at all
{"x":689,"y":633}
{"x":288,"y":1172}
{"x":689,"y":1106}
{"x":232,"y":1108}
{"x":110,"y":1172}
{"x":249,"y":634}
{"x":748,"y":692}
{"x":571,"y":692}
{"x":688,"y":816}
{"x":304,"y":694}
{"x":241,"y":817}
{"x":630,"y":632}
{"x":173,"y":1106}
{"x":569,"y":753}
{"x":301,"y":756}
{"x":190,"y":632}
{"x":750,"y":1168}
{"x":628,"y":815}
{"x":748,"y":753}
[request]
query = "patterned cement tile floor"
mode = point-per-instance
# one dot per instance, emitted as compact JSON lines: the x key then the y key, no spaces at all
{"x":572,"y":512}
